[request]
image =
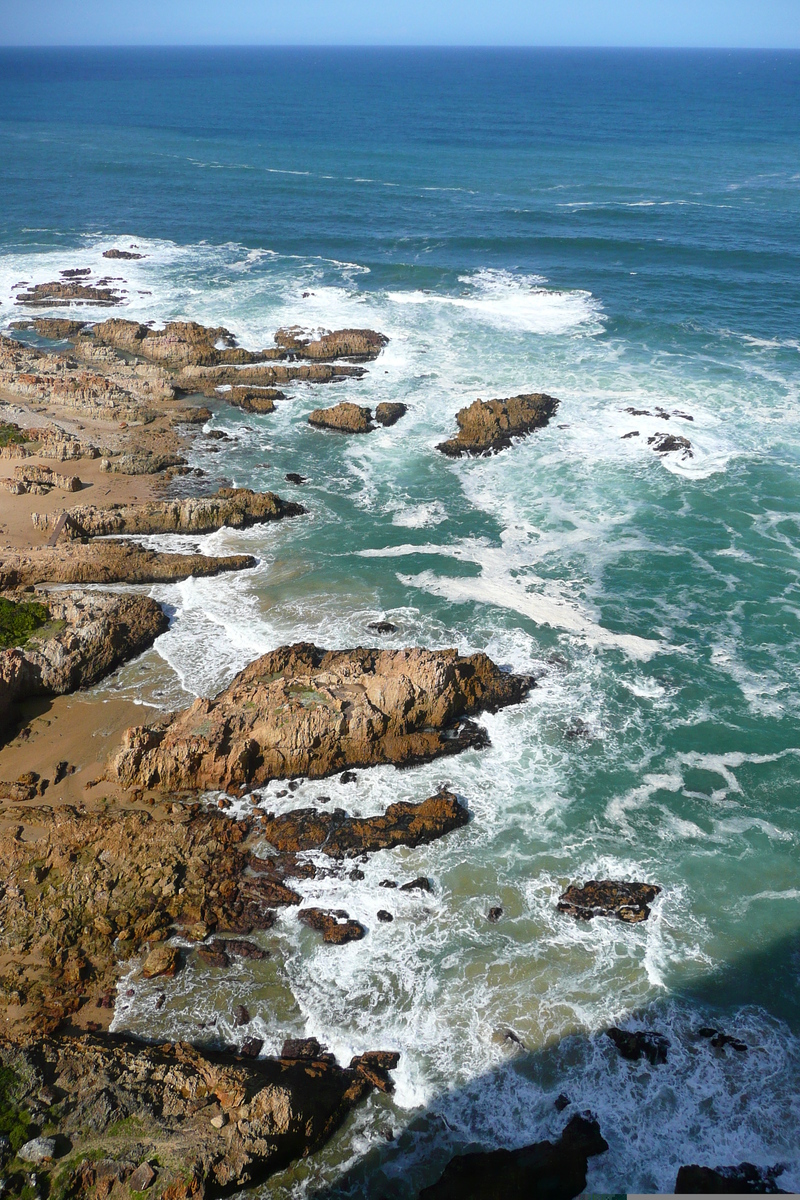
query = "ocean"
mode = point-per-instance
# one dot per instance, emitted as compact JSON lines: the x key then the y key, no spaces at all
{"x":622,"y":231}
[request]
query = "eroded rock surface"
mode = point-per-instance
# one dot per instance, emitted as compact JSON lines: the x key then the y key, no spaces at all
{"x":335,"y":926}
{"x":746,"y":1178}
{"x":641,"y":1043}
{"x":300,"y":710}
{"x":68,"y":291}
{"x":359,"y":344}
{"x":550,"y":1170}
{"x":488,"y":426}
{"x":340,"y":836}
{"x":344,"y":417}
{"x":387,"y":413}
{"x":237,"y":508}
{"x":210,"y":1122}
{"x":609,"y":898}
{"x":109,"y":562}
{"x":253,"y":399}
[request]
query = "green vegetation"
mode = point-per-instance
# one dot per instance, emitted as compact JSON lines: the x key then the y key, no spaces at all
{"x":11,"y":435}
{"x":18,"y":620}
{"x":13,"y":1119}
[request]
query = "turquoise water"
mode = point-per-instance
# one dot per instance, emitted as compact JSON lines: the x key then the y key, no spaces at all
{"x":620,"y":230}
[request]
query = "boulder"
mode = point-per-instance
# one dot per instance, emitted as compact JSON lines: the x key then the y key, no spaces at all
{"x":640,"y":1044}
{"x":39,"y":1150}
{"x":389,"y":414}
{"x":671,"y":443}
{"x":344,"y":418}
{"x":488,"y":426}
{"x":609,"y":898}
{"x":727,"y":1181}
{"x":163,"y":960}
{"x":109,"y":562}
{"x":303,"y":711}
{"x":543,"y":1171}
{"x":235,"y":508}
{"x":335,"y":927}
{"x":340,"y":836}
{"x":123,"y":254}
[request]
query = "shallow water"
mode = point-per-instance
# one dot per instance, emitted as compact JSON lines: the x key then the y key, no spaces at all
{"x":619,"y":231}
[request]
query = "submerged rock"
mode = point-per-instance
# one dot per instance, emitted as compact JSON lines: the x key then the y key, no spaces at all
{"x":746,"y":1178}
{"x":303,"y":711}
{"x":488,"y":426}
{"x":344,"y":418}
{"x":109,"y":562}
{"x":219,"y":1121}
{"x":609,"y":898}
{"x":671,"y":443}
{"x":640,"y":1044}
{"x":550,"y":1170}
{"x":340,"y":836}
{"x":235,"y":508}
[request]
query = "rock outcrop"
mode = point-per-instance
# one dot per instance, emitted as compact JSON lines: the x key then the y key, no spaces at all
{"x":640,"y":1043}
{"x":253,"y":399}
{"x":141,"y":463}
{"x":109,"y":562}
{"x":340,"y":836}
{"x":188,"y":1122}
{"x":609,"y":898}
{"x":236,"y":508}
{"x":261,"y":375}
{"x":671,"y":443}
{"x":488,"y":426}
{"x":727,"y":1181}
{"x":90,"y":894}
{"x":357,"y":344}
{"x":546,"y":1170}
{"x":301,"y":710}
{"x":387,"y":413}
{"x":89,"y":634}
{"x":344,"y":418}
{"x":124,"y":254}
{"x":177,"y":345}
{"x":335,"y":927}
{"x":68,"y":291}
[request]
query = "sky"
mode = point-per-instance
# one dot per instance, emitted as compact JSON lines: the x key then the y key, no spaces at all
{"x":712,"y":23}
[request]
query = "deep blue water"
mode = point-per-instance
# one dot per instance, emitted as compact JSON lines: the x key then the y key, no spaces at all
{"x":621,"y":229}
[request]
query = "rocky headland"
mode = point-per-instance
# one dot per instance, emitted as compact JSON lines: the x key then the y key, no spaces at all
{"x":76,"y":562}
{"x":487,"y":426}
{"x":301,"y":710}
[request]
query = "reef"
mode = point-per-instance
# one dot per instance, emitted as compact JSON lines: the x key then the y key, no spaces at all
{"x":487,"y":426}
{"x":609,"y":898}
{"x":78,"y":562}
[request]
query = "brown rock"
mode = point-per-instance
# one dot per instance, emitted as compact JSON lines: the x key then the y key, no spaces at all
{"x":178,"y":344}
{"x":340,"y":836}
{"x":142,"y":464}
{"x":59,"y":328}
{"x":144,"y":1175}
{"x":344,"y":418}
{"x":420,"y":884}
{"x":359,"y":344}
{"x":389,"y":414}
{"x":208,"y":380}
{"x":235,"y":508}
{"x":375,"y":1066}
{"x":549,"y":1170}
{"x":335,"y":927}
{"x":64,"y":292}
{"x":49,"y":477}
{"x":109,"y":562}
{"x":609,"y":898}
{"x":488,"y":426}
{"x":302,"y":711}
{"x":253,"y":399}
{"x":163,"y":960}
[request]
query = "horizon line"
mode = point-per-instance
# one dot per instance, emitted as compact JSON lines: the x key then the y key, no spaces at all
{"x":394,"y":46}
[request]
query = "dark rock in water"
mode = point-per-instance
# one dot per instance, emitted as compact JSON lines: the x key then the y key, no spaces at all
{"x":323,"y":799}
{"x":420,"y":884}
{"x":578,"y":729}
{"x":126,"y":254}
{"x":293,"y":785}
{"x":389,"y":414}
{"x":335,"y":927}
{"x":640,"y":1044}
{"x":241,"y":947}
{"x":633,"y":433}
{"x":293,"y":477}
{"x":213,"y":955}
{"x":488,"y":426}
{"x":340,"y":836}
{"x":251,"y":1047}
{"x":609,"y":898}
{"x":384,"y":916}
{"x":306,"y":1048}
{"x":720,"y":1040}
{"x":667,"y":443}
{"x":746,"y":1178}
{"x":356,"y":874}
{"x":561,"y":1102}
{"x":494,"y":914}
{"x":375,"y":1066}
{"x":348,"y":777}
{"x":241,"y":1016}
{"x":510,"y":1036}
{"x":551,"y":1170}
{"x":382,"y":627}
{"x":388,"y":883}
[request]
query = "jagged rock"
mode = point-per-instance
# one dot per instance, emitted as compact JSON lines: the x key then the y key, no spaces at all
{"x":340,"y":836}
{"x":720,"y":1040}
{"x":58,"y":328}
{"x":241,"y":1016}
{"x":144,"y":1176}
{"x":305,"y":1048}
{"x":141,"y":464}
{"x":208,"y":380}
{"x":420,"y":884}
{"x":746,"y":1178}
{"x":335,"y":927}
{"x":109,"y":562}
{"x":126,"y":254}
{"x":213,"y":955}
{"x":293,"y":477}
{"x":273,"y":1110}
{"x":90,"y":634}
{"x":48,"y":477}
{"x":303,"y":711}
{"x":251,"y":1047}
{"x":344,"y":417}
{"x":241,"y":948}
{"x":382,"y":627}
{"x":178,"y":344}
{"x":640,"y":1044}
{"x":70,"y":291}
{"x":236,"y":508}
{"x":494,"y":914}
{"x":669,"y":443}
{"x":609,"y":898}
{"x":26,"y":787}
{"x":488,"y":426}
{"x":95,"y":894}
{"x":375,"y":1066}
{"x":163,"y":960}
{"x":253,"y":399}
{"x":389,"y":414}
{"x":363,"y":344}
{"x":543,"y":1171}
